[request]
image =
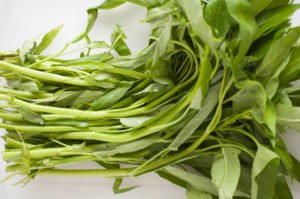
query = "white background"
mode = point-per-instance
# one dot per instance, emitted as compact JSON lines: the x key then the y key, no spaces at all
{"x":24,"y":19}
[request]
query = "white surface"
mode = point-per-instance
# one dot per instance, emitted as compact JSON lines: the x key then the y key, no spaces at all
{"x":21,"y":20}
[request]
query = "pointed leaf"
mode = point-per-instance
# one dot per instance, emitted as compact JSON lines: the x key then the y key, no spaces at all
{"x":226,"y":171}
{"x":47,"y":39}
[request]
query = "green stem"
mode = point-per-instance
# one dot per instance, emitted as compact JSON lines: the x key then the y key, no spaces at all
{"x":59,"y":129}
{"x":106,"y":173}
{"x":12,"y":143}
{"x":24,"y":94}
{"x":43,"y":75}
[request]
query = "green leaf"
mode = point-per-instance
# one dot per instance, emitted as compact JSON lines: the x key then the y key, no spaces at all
{"x":226,"y":171}
{"x":118,"y":41}
{"x":162,"y":42}
{"x":277,"y":53}
{"x":97,"y":44}
{"x":271,"y":19}
{"x":245,"y":179}
{"x":260,"y":5}
{"x":171,"y":178}
{"x":264,"y":173}
{"x":292,"y":70}
{"x":277,"y":3}
{"x":27,"y":51}
{"x":110,"y":4}
{"x":253,"y":96}
{"x":273,"y":81}
{"x":47,"y":40}
{"x":117,"y":185}
{"x":205,"y":74}
{"x":270,"y":116}
{"x":152,"y":88}
{"x":282,"y":189}
{"x":199,"y":117}
{"x":288,"y":116}
{"x":284,"y":155}
{"x":112,"y":97}
{"x":198,"y":182}
{"x":243,"y":12}
{"x":31,"y":116}
{"x":192,"y":193}
{"x":86,"y":96}
{"x":296,"y":168}
{"x":194,"y":12}
{"x":134,"y":121}
{"x":66,"y":98}
{"x":134,"y":61}
{"x":128,"y":147}
{"x":92,"y":16}
{"x":30,"y":86}
{"x":217,"y":16}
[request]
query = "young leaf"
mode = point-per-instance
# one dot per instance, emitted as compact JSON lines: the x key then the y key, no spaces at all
{"x":134,"y":61}
{"x":118,"y":43}
{"x":226,"y":171}
{"x":47,"y":40}
{"x":92,"y":16}
{"x":27,"y":51}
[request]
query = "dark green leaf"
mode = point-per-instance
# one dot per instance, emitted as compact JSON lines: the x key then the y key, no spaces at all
{"x":109,"y":99}
{"x":264,"y":173}
{"x":277,"y":53}
{"x":282,"y":189}
{"x":217,"y":16}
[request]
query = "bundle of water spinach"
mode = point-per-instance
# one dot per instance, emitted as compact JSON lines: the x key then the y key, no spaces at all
{"x":203,"y":105}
